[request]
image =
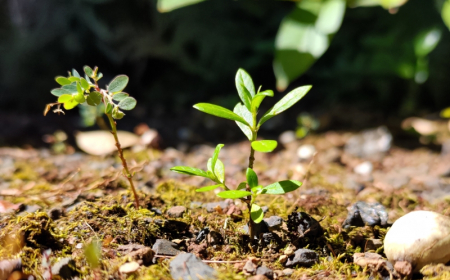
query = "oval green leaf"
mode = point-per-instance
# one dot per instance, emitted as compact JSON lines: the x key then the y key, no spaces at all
{"x":190,"y":171}
{"x":94,"y":98}
{"x":64,"y":98}
{"x":72,"y":88}
{"x":242,"y":186}
{"x":59,"y":91}
{"x":245,"y":87}
{"x":282,"y":187}
{"x":234,"y":194}
{"x":75,"y":73}
{"x":127,"y":103}
{"x":88,"y":71}
{"x":70,"y":104}
{"x":84,"y":83}
{"x":242,"y":111}
{"x":120,"y":96}
{"x":258,"y":98}
{"x":285,"y":103}
{"x":252,"y":178}
{"x":216,"y":156}
{"x":219,"y":171}
{"x":62,"y":80}
{"x":118,"y":84}
{"x":256,"y":213}
{"x":264,"y":146}
{"x":219,"y":111}
{"x":79,"y":97}
{"x":208,"y":188}
{"x":74,"y":79}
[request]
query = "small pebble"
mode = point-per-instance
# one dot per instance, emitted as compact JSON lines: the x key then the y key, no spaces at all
{"x":288,"y":271}
{"x":364,"y":168}
{"x":273,"y":222}
{"x":129,"y":268}
{"x":249,"y":268}
{"x":303,"y":257}
{"x":264,"y":270}
{"x":306,"y":152}
{"x":176,"y":211}
{"x":287,"y":137}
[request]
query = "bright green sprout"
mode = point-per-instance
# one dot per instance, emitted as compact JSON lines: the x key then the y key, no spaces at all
{"x":245,"y":116}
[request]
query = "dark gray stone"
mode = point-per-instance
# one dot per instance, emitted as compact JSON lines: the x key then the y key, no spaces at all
{"x":303,"y":257}
{"x":264,"y":270}
{"x":165,"y":247}
{"x":274,"y":222}
{"x":362,"y":213}
{"x":304,"y":225}
{"x":259,"y":229}
{"x":187,"y":266}
{"x":65,"y":268}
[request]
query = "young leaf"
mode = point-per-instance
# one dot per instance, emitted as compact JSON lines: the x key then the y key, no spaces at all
{"x":94,"y":98}
{"x":59,"y":91}
{"x":282,"y":187}
{"x":99,"y":76}
{"x":219,"y":171}
{"x":74,"y":79}
{"x":65,"y":97}
{"x":245,"y":87}
{"x":70,"y":104}
{"x":256,"y":213}
{"x":79,"y":89}
{"x":84,"y":83}
{"x":127,"y":103}
{"x":242,"y":186}
{"x":208,"y":188}
{"x":285,"y":103}
{"x":117,"y":114}
{"x":234,"y":194}
{"x":252,"y":178}
{"x":109,"y":108}
{"x":118,"y":84}
{"x":216,"y":156}
{"x":219,"y":111}
{"x":88,"y":71}
{"x":72,"y":88}
{"x":258,"y":98}
{"x":62,"y":80}
{"x":242,"y":111}
{"x":264,"y":146}
{"x":257,"y":189}
{"x":75,"y":73}
{"x":189,"y":171}
{"x":79,"y":97}
{"x":120,"y":96}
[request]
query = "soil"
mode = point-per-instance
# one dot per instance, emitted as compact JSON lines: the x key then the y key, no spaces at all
{"x":72,"y":205}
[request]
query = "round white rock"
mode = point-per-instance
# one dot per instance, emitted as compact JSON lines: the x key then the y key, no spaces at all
{"x":420,"y":238}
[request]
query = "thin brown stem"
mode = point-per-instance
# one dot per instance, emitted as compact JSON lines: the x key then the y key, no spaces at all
{"x":122,"y":158}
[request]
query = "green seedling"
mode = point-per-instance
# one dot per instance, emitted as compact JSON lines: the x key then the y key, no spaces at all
{"x":76,"y":90}
{"x":245,"y":116}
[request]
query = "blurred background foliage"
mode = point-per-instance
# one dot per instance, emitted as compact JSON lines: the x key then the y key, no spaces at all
{"x":383,"y":55}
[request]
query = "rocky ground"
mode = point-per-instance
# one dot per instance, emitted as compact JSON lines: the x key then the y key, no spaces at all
{"x":70,"y":215}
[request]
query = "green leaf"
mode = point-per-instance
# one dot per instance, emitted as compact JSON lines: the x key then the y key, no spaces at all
{"x":282,"y":187}
{"x":165,"y":6}
{"x":208,"y":188}
{"x":219,"y":111}
{"x":285,"y":103}
{"x":99,"y":76}
{"x":62,"y":80}
{"x":75,"y":73}
{"x":426,"y":41}
{"x":234,"y":194}
{"x":216,"y":156}
{"x":65,"y":97}
{"x":120,"y":96}
{"x":93,"y":253}
{"x":84,"y":84}
{"x":219,"y":171}
{"x":445,"y":113}
{"x":88,"y":71}
{"x":59,"y":91}
{"x":190,"y":171}
{"x":245,"y":87}
{"x":127,"y":103}
{"x":257,"y":188}
{"x":94,"y":98}
{"x":445,"y":13}
{"x":242,"y":186}
{"x":79,"y":97}
{"x":72,"y":88}
{"x":243,"y":112}
{"x":74,"y":79}
{"x":264,"y":146}
{"x":303,"y":36}
{"x":109,"y":108}
{"x":258,"y":98}
{"x":79,"y":89}
{"x":117,"y":114}
{"x":118,"y":84}
{"x":70,"y":104}
{"x":256,"y":213}
{"x":252,"y":178}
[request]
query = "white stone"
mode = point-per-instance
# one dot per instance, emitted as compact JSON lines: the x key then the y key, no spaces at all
{"x":420,"y":238}
{"x":129,"y":267}
{"x":364,"y":168}
{"x":287,"y":137}
{"x":306,"y":151}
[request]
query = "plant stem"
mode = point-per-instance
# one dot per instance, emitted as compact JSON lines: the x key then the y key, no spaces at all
{"x":124,"y":162}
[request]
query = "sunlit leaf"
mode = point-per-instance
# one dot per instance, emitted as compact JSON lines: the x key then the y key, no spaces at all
{"x":219,"y":171}
{"x":285,"y":103}
{"x":242,"y":186}
{"x":120,"y":96}
{"x":79,"y":97}
{"x":190,"y":171}
{"x":242,"y":111}
{"x":93,"y":253}
{"x":59,"y":91}
{"x":72,"y":88}
{"x":70,"y":104}
{"x":165,"y":6}
{"x":245,"y":87}
{"x":65,"y":97}
{"x":252,"y":178}
{"x":258,"y":98}
{"x":62,"y":80}
{"x":118,"y":84}
{"x":445,"y":13}
{"x":84,"y":84}
{"x":88,"y":71}
{"x":219,"y":111}
{"x":234,"y":194}
{"x":264,"y":146}
{"x":216,"y":156}
{"x":75,"y":73}
{"x":256,"y":213}
{"x":127,"y":103}
{"x":74,"y":79}
{"x":208,"y":188}
{"x":282,"y":187}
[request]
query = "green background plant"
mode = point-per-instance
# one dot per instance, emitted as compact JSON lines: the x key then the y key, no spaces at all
{"x":245,"y":116}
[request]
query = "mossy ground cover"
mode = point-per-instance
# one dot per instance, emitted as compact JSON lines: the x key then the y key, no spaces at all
{"x":63,"y":202}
